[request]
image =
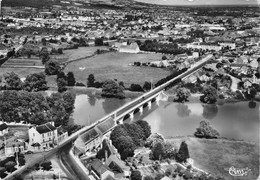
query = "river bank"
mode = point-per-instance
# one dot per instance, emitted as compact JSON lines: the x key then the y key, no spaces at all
{"x":216,"y":156}
{"x":195,"y":98}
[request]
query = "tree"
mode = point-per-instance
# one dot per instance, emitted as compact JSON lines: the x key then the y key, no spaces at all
{"x":21,"y":161}
{"x":10,"y":166}
{"x":125,"y":147}
{"x":210,"y":95}
{"x":59,"y":51}
{"x":169,"y":151}
{"x":164,"y":57}
{"x":116,"y":133}
{"x":44,"y":55}
{"x":3,"y":172}
{"x":183,"y":153}
{"x":135,"y":132}
{"x":136,"y":87}
{"x":121,"y":83}
{"x":147,"y":86}
{"x":99,"y":42}
{"x":153,"y":139}
{"x":52,"y":67}
{"x":46,"y":165}
{"x":145,"y":127}
{"x":111,"y":88}
{"x":182,"y":95}
{"x":157,"y":151}
{"x":148,"y":178}
{"x":71,"y":79}
{"x":35,"y":82}
{"x":91,"y":81}
{"x":62,"y":82}
{"x":12,"y":81}
{"x":206,"y":131}
{"x":136,"y":175}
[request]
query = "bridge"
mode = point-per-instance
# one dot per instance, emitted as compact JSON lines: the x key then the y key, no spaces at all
{"x":119,"y":115}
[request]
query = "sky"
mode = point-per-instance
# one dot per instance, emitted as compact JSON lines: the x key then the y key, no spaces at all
{"x":202,"y":2}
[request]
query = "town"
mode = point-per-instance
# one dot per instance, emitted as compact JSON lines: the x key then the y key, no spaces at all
{"x":131,"y":59}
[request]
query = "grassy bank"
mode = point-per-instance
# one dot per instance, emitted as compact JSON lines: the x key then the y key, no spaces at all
{"x":218,"y":155}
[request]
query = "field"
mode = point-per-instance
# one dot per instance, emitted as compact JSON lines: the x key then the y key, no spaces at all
{"x":116,"y":65}
{"x":217,"y":156}
{"x":82,"y":51}
{"x":22,"y":72}
{"x":111,"y":65}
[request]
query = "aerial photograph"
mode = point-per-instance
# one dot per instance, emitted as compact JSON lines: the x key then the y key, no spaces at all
{"x":129,"y":89}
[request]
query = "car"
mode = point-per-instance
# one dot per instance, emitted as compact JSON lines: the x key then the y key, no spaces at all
{"x":28,"y":152}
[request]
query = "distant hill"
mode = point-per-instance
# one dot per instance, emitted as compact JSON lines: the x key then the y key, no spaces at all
{"x":48,"y":3}
{"x":29,"y":3}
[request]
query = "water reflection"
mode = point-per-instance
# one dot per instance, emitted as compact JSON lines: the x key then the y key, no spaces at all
{"x":232,"y":120}
{"x":251,"y":104}
{"x":111,"y":104}
{"x":210,"y":111}
{"x":182,"y":110}
{"x":90,"y":109}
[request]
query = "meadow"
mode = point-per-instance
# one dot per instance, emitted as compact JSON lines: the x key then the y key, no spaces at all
{"x":218,"y":155}
{"x":118,"y":66}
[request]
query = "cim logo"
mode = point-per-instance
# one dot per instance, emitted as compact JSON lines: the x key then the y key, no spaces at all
{"x":238,"y":171}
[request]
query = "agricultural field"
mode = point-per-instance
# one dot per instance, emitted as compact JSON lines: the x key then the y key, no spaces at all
{"x":218,"y":155}
{"x":116,"y":65}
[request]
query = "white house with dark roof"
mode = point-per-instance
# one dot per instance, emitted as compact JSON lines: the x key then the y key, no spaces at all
{"x":43,"y":137}
{"x":132,"y":48}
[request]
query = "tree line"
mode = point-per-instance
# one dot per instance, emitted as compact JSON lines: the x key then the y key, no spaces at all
{"x":170,"y":48}
{"x":35,"y":108}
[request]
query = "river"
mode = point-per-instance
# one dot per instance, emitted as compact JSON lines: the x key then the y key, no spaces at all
{"x":232,"y":120}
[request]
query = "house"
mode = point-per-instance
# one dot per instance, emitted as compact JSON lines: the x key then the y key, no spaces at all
{"x":163,"y":64}
{"x":92,"y":139}
{"x":3,"y":129}
{"x":166,"y":178}
{"x":204,"y":46}
{"x":13,"y":145}
{"x":132,"y":48}
{"x":254,"y":64}
{"x":113,"y":160}
{"x":242,"y":60}
{"x":100,"y":171}
{"x":247,"y":82}
{"x":43,"y":137}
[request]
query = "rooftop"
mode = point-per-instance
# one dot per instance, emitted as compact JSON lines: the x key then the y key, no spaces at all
{"x":3,"y":126}
{"x":44,"y":128}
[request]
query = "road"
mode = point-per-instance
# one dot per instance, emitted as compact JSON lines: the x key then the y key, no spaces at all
{"x":74,"y":136}
{"x":70,"y":164}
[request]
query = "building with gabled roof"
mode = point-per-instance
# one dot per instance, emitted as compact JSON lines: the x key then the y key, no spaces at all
{"x":43,"y":137}
{"x":92,"y":139}
{"x":100,"y":171}
{"x":132,"y":48}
